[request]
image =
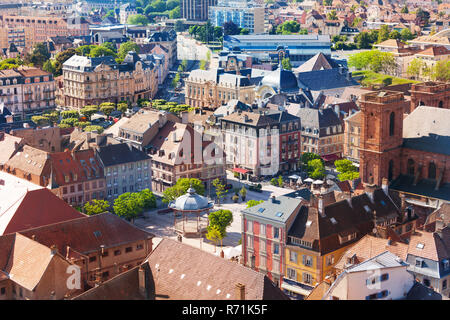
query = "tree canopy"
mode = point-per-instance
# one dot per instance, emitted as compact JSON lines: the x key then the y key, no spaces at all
{"x":95,"y":206}
{"x":181,"y":187}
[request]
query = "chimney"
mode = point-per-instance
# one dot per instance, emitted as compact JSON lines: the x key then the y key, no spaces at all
{"x":143,"y":284}
{"x":174,"y":136}
{"x":349,"y":76}
{"x":240,"y":291}
{"x":245,"y":118}
{"x":33,"y":237}
{"x":184,"y":117}
{"x":370,"y":189}
{"x":54,"y":249}
{"x":385,"y":185}
{"x":88,"y":137}
{"x":273,"y":199}
{"x":320,"y":206}
{"x":337,"y":109}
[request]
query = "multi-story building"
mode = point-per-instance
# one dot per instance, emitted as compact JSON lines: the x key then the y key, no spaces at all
{"x":352,"y":136}
{"x":196,"y":10}
{"x":27,"y":91}
{"x":46,"y":26}
{"x":210,"y":89}
{"x":322,"y":132}
{"x":77,"y":177}
{"x":126,"y":10}
{"x":245,"y":14}
{"x":167,"y":39}
{"x":90,"y":81}
{"x":432,"y":94}
{"x":265,"y":234}
{"x":300,"y":48}
{"x":321,"y":234}
{"x":126,"y":168}
{"x":102,"y":245}
{"x":251,"y":143}
{"x":178,"y":151}
{"x":290,"y":139}
{"x":20,"y":37}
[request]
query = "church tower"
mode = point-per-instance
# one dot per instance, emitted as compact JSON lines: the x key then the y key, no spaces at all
{"x":381,"y":135}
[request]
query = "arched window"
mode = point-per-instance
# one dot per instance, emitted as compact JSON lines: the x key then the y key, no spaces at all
{"x":391,"y":170}
{"x":392,"y":124}
{"x":441,"y":104}
{"x":410,"y":167}
{"x":431,"y":171}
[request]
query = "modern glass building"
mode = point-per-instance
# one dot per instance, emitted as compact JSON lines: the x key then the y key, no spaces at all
{"x":244,"y":13}
{"x":299,"y":48}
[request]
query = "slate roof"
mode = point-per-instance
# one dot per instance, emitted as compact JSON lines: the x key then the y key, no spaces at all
{"x":281,"y":80}
{"x":115,"y":154}
{"x":278,"y":210}
{"x":427,"y":129}
{"x":421,"y":292}
{"x":325,"y":79}
{"x":341,"y":219}
{"x":254,"y":119}
{"x":177,"y":271}
{"x":383,"y":260}
{"x":424,"y":187}
{"x":318,"y":118}
{"x":318,"y":62}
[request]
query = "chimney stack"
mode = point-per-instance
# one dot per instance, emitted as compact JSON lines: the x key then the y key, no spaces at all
{"x":240,"y":291}
{"x":174,"y":136}
{"x":143,"y":285}
{"x":273,"y":199}
{"x":320,"y":206}
{"x":385,"y":185}
{"x":184,"y":117}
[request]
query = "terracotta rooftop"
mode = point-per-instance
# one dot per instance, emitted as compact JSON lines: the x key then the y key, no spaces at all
{"x":435,"y":51}
{"x":34,"y":209}
{"x":31,"y":160}
{"x":369,"y":247}
{"x":31,"y":72}
{"x":429,"y":245}
{"x":182,"y":272}
{"x":8,"y":144}
{"x":87,"y":234}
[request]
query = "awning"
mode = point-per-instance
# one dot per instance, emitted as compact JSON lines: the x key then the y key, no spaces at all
{"x":241,"y":170}
{"x":295,"y":289}
{"x":294,"y":176}
{"x":309,"y":180}
{"x":330,"y":157}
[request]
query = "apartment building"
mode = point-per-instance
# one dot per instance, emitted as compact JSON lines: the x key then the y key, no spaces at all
{"x":89,"y":81}
{"x":27,"y":91}
{"x":251,"y":143}
{"x":352,"y":136}
{"x":322,"y":132}
{"x":245,"y":14}
{"x":127,"y":169}
{"x":195,"y":10}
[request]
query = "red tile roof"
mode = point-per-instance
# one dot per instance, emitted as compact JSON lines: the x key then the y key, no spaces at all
{"x":38,"y":208}
{"x":435,"y":51}
{"x":87,"y":234}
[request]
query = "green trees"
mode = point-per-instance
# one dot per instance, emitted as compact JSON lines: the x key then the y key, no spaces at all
{"x":308,"y":156}
{"x":203,"y":64}
{"x":127,"y":47}
{"x":90,"y":128}
{"x":316,"y":169}
{"x":394,"y":34}
{"x":414,"y":68}
{"x":218,"y":223}
{"x":332,"y":15}
{"x":40,"y":120}
{"x":179,"y":26}
{"x":129,"y":205}
{"x":107,"y":108}
{"x":243,"y":193}
{"x":230,"y":28}
{"x":286,"y":63}
{"x":88,"y":111}
{"x":252,"y":203}
{"x":288,"y":27}
{"x":383,"y":34}
{"x":280,"y":181}
{"x":406,"y":35}
{"x":39,"y":55}
{"x":181,"y":188}
{"x":95,"y":206}
{"x":373,"y":60}
{"x":220,"y":189}
{"x":138,"y":19}
{"x":441,"y":71}
{"x":122,"y":106}
{"x":346,"y":169}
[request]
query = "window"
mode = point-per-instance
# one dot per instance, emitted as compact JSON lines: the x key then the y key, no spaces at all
{"x":391,"y":170}
{"x":445,"y":264}
{"x":262,"y":245}
{"x":426,"y":282}
{"x":262,"y":229}
{"x":392,"y":124}
{"x":92,"y":259}
{"x":292,"y":274}
{"x":249,"y":242}
{"x":2,"y":291}
{"x":373,"y":280}
{"x":431,"y":171}
{"x":249,"y":226}
{"x":444,"y":284}
{"x":410,"y":167}
{"x":105,"y":274}
{"x":307,"y":261}
{"x":293,"y":256}
{"x":307,"y":278}
{"x":117,"y":252}
{"x":419,"y":262}
{"x":379,"y":295}
{"x":330,"y":260}
{"x":128,"y":249}
{"x":276,"y":232}
{"x":262,"y":262}
{"x":139,"y":246}
{"x":276,"y":248}
{"x":105,"y":253}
